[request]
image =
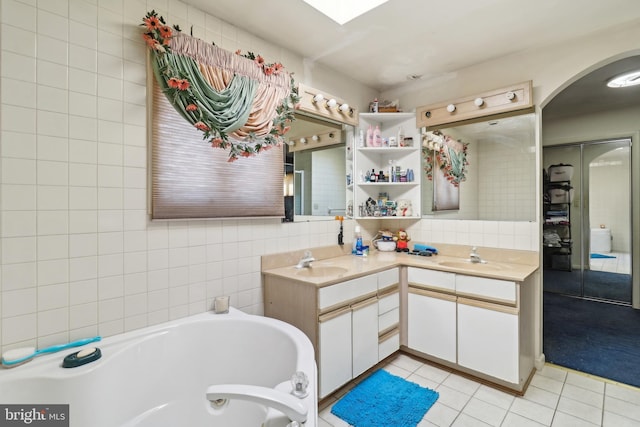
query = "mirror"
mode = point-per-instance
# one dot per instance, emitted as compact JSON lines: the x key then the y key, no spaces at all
{"x":500,"y":178}
{"x":316,"y":169}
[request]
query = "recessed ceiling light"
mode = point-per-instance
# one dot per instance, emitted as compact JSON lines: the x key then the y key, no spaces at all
{"x":629,"y":79}
{"x":344,"y":11}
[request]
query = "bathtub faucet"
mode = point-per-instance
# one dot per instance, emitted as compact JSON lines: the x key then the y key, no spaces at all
{"x":306,"y":260}
{"x":286,"y":403}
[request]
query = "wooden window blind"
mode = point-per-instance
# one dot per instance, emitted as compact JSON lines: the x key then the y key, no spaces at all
{"x":190,"y":179}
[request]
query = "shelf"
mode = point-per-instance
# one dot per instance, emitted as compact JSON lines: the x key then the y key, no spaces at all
{"x":388,"y":118}
{"x":379,"y":159}
{"x":388,"y":217}
{"x":383,"y":184}
{"x":387,"y":149}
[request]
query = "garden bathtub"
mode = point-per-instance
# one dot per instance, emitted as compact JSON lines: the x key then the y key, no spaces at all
{"x":162,"y":375}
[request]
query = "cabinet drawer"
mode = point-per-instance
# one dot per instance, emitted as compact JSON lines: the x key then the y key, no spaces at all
{"x":388,"y":302}
{"x":388,"y":278}
{"x":431,"y":278}
{"x":344,"y":292}
{"x":388,"y":344}
{"x":489,"y":289}
{"x":388,"y":319}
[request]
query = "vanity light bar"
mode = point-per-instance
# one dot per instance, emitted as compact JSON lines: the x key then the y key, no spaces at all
{"x":325,"y":105}
{"x":332,"y":103}
{"x":515,"y":98}
{"x":315,"y":141}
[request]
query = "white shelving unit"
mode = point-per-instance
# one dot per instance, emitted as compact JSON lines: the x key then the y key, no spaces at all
{"x":378,"y":158}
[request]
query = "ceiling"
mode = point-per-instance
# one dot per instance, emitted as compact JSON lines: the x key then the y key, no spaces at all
{"x":427,"y":39}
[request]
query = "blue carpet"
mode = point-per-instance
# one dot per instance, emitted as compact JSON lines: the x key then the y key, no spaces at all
{"x":385,"y":400}
{"x":593,"y":337}
{"x":597,"y":284}
{"x":601,"y":256}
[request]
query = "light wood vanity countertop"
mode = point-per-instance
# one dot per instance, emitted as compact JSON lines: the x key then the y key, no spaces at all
{"x":337,"y":264}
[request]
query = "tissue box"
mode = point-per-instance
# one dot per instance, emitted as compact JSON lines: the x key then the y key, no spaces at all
{"x":560,"y":172}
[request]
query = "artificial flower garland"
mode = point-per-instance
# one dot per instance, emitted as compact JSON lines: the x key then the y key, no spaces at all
{"x":438,"y":149}
{"x":179,"y":89}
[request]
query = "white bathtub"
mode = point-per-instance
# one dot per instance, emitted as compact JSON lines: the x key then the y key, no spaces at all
{"x":159,"y":376}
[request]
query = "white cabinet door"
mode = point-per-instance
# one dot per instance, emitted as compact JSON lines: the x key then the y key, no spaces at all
{"x":488,"y":339}
{"x":335,"y":357}
{"x":364,"y":335}
{"x":432,"y":324}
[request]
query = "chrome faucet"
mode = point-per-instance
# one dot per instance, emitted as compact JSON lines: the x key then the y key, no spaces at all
{"x":474,"y":257}
{"x":306,"y":260}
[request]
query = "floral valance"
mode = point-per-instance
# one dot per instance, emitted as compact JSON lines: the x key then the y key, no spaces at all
{"x":239,"y":102}
{"x":447,"y":154}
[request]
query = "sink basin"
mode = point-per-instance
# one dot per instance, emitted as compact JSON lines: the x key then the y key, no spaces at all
{"x":322,"y":271}
{"x":468,"y":265}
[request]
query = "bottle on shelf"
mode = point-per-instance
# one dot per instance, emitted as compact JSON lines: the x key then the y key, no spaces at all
{"x":370,"y":136}
{"x":377,"y":137}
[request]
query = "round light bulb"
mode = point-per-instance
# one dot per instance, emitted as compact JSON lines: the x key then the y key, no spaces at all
{"x":331,"y":103}
{"x":344,"y":107}
{"x":303,"y":140}
{"x":511,"y":96}
{"x":451,"y":108}
{"x":478,"y":102}
{"x":315,"y":138}
{"x":318,"y":98}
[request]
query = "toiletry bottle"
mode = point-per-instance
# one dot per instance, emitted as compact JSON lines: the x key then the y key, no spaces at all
{"x":370,"y":136}
{"x":401,"y":137}
{"x":377,"y":137}
{"x":357,"y":241}
{"x":374,"y":108}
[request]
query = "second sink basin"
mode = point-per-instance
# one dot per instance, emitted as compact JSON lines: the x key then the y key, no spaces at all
{"x":321,"y":271}
{"x":468,"y":265}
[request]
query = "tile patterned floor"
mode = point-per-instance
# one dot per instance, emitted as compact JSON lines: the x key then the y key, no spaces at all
{"x":620,"y":264}
{"x":556,"y":397}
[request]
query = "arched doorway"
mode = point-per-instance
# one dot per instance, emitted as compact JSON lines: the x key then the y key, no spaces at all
{"x":580,"y":331}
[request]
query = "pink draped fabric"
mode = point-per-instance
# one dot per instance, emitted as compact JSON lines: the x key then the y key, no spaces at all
{"x":264,"y":105}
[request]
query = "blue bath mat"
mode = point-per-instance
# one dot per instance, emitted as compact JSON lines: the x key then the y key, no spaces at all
{"x":601,"y":256}
{"x":385,"y":400}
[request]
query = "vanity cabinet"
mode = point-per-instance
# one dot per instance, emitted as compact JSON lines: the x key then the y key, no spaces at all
{"x":334,"y":350}
{"x":364,"y":335}
{"x":488,"y":340}
{"x":431,"y":308}
{"x":352,"y":324}
{"x":349,"y":327}
{"x":432,"y":323}
{"x":348,"y":343}
{"x":394,"y":187}
{"x":388,"y":313}
{"x":476,"y":324}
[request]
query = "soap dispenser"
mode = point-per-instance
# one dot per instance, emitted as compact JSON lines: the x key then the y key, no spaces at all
{"x":357,"y":241}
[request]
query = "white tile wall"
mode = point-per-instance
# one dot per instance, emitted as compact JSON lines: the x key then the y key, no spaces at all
{"x":78,"y":255}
